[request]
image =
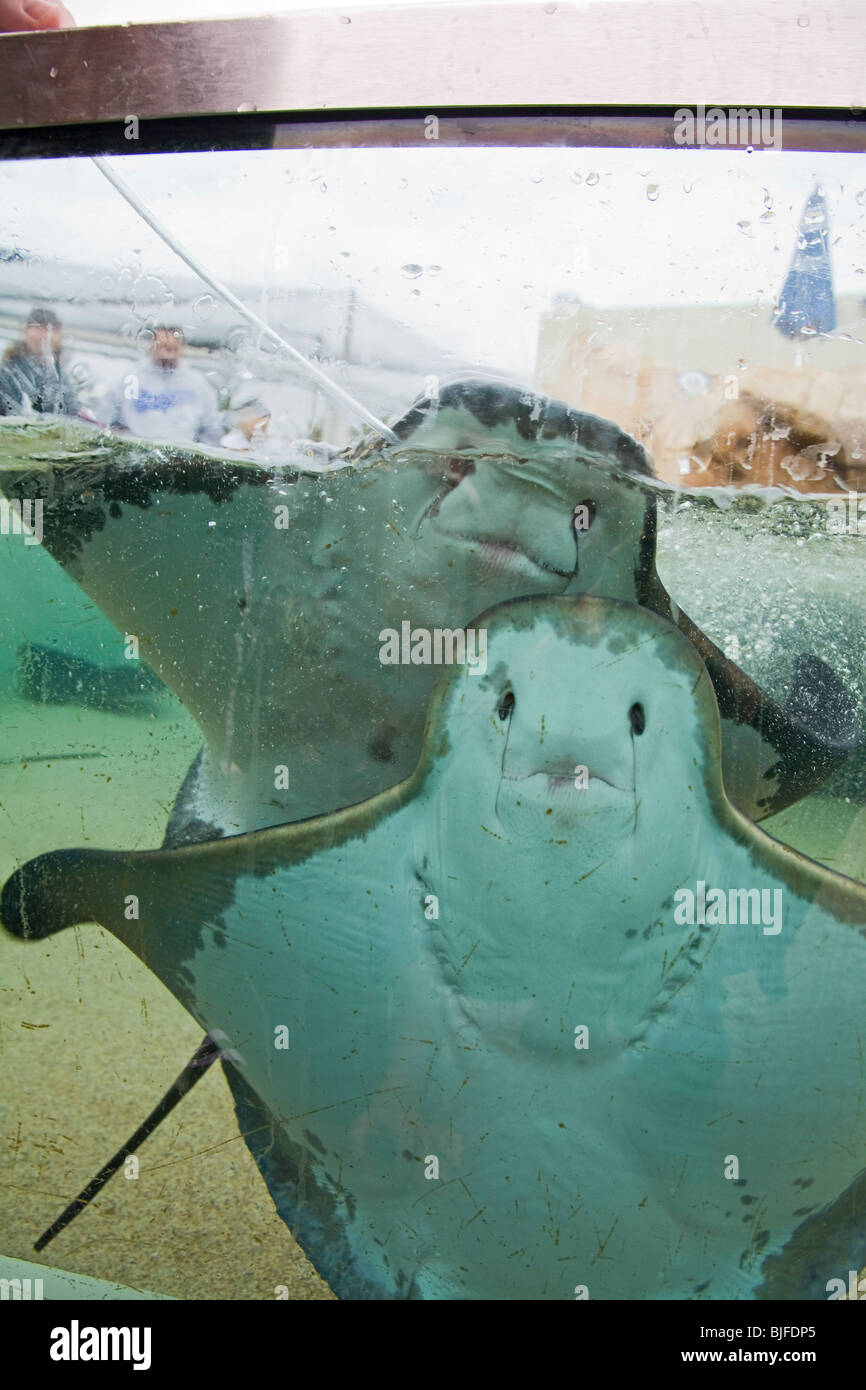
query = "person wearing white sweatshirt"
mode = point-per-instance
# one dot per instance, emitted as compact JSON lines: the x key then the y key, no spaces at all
{"x":164,"y":399}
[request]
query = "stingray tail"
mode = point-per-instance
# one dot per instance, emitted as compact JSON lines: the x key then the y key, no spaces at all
{"x":206,"y":1053}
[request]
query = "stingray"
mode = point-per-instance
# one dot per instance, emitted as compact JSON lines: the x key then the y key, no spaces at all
{"x":549,"y":1018}
{"x":259,"y":593}
{"x":50,"y":677}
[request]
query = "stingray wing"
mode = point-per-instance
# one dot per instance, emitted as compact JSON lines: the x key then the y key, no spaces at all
{"x":294,"y":945}
{"x":166,"y":540}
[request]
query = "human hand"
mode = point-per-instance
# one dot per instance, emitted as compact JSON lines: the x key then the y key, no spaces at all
{"x":24,"y":15}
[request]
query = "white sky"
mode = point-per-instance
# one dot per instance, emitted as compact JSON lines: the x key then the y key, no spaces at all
{"x":509,"y":228}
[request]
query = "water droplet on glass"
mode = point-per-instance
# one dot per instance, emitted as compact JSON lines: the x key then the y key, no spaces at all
{"x":433,"y":269}
{"x":861,"y":197}
{"x":687,"y":187}
{"x":652,"y":192}
{"x":247,"y":106}
{"x":803,"y":21}
{"x":744,"y":228}
{"x":550,"y":9}
{"x":576,"y":177}
{"x":536,"y":178}
{"x":52,"y":72}
{"x":412,"y":271}
{"x":404,"y":183}
{"x":417,"y":293}
{"x":750,"y":149}
{"x":204,"y":306}
{"x":592,"y":180}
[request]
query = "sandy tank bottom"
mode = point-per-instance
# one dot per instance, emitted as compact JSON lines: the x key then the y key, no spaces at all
{"x":90,"y":1040}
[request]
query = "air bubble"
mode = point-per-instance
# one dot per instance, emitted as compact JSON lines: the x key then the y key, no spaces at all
{"x":592,"y":180}
{"x":52,"y":72}
{"x":803,"y":21}
{"x":652,"y":192}
{"x":247,"y":106}
{"x":412,"y":271}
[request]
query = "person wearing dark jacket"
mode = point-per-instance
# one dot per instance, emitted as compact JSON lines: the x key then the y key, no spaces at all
{"x":31,"y":377}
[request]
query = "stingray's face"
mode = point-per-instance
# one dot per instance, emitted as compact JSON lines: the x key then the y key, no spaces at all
{"x":436,"y":538}
{"x":447,"y":535}
{"x":585,"y":738}
{"x":550,"y":521}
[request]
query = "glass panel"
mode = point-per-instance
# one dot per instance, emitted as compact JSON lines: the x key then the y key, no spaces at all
{"x":282,"y":431}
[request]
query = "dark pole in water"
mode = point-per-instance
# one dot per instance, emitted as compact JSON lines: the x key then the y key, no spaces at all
{"x":205,"y":1055}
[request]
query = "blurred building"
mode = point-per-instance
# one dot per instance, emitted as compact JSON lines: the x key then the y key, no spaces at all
{"x":665,"y":372}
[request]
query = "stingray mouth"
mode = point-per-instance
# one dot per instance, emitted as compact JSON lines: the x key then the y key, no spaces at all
{"x":499,"y":553}
{"x":576,"y":779}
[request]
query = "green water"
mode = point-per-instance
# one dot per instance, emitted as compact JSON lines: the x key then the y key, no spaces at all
{"x":93,"y":1039}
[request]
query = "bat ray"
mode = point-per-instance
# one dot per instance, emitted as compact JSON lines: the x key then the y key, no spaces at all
{"x":550,"y":1017}
{"x":271,"y":636}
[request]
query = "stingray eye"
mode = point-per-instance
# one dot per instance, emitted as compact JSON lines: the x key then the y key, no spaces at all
{"x":506,"y":705}
{"x":637,"y":718}
{"x":583,"y":515}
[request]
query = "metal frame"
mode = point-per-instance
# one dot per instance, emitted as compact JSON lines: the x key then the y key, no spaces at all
{"x":626,"y":53}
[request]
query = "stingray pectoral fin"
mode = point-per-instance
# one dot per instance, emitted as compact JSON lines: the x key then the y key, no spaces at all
{"x":51,"y":892}
{"x":772,"y":755}
{"x":158,"y":903}
{"x":167,"y":905}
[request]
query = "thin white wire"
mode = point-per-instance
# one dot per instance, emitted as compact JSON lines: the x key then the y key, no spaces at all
{"x":252,"y":318}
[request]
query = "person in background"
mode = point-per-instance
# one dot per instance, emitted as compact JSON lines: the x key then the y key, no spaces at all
{"x":768,"y":444}
{"x":164,"y":399}
{"x":32,"y":380}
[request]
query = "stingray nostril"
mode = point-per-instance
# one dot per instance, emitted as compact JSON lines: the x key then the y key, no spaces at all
{"x":506,"y":704}
{"x":637,"y":719}
{"x":457,"y":469}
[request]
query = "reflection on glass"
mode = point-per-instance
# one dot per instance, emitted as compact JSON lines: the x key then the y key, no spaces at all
{"x":628,"y":378}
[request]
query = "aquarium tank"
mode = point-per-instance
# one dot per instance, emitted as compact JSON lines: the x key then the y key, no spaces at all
{"x":433,"y":680}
